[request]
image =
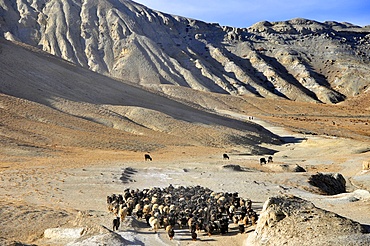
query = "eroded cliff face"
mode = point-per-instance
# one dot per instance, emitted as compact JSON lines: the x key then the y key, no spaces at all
{"x":299,"y":59}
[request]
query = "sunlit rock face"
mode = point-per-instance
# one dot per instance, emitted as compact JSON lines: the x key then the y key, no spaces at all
{"x":299,"y":59}
{"x":289,"y":220}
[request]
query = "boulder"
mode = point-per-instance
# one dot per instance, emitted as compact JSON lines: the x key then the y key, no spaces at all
{"x":110,"y":238}
{"x":366,"y":165}
{"x":289,"y":220}
{"x":329,"y":183}
{"x":63,"y":233}
{"x":285,"y":167}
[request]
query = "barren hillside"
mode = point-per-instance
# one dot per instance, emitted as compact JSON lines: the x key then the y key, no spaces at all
{"x":299,"y":59}
{"x":49,"y":102}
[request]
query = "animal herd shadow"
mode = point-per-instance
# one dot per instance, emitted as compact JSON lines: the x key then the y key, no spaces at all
{"x":127,"y":174}
{"x":183,"y":234}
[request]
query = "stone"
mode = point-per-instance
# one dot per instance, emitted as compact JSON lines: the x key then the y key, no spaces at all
{"x":366,"y":165}
{"x":290,"y":220}
{"x":285,"y":167}
{"x":329,"y":183}
{"x":64,"y":233}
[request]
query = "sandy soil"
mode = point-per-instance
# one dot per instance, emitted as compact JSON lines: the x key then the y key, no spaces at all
{"x":70,"y":191}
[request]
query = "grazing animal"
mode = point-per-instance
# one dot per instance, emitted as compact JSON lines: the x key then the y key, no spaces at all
{"x":235,"y":219}
{"x":154,"y":223}
{"x":224,"y":225}
{"x":116,"y":223}
{"x":226,"y":157}
{"x":196,"y":207}
{"x":170,"y":232}
{"x":262,"y":161}
{"x":269,"y":159}
{"x":194,"y":235}
{"x":160,"y":208}
{"x":191,"y":221}
{"x":245,"y":220}
{"x":254,"y":218}
{"x":210,"y":228}
{"x":139,"y":213}
{"x":147,"y":217}
{"x":249,"y":204}
{"x":182,"y":221}
{"x":165,"y":222}
{"x":122,"y":212}
{"x":155,"y":204}
{"x":110,"y":207}
{"x":146,"y":209}
{"x":241,"y":225}
{"x":148,"y":157}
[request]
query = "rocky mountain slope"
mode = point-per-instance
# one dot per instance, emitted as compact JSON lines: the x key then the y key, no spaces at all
{"x":48,"y":104}
{"x":299,"y":59}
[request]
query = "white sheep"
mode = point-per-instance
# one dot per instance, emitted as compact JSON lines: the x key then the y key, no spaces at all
{"x":154,"y":199}
{"x":221,"y":200}
{"x":122,"y":212}
{"x":154,"y":223}
{"x":172,"y":207}
{"x":146,"y":209}
{"x":166,"y":209}
{"x":232,"y":209}
{"x":137,"y":208}
{"x":155,"y":206}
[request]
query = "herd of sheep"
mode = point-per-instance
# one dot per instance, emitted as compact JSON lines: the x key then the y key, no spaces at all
{"x":196,"y":208}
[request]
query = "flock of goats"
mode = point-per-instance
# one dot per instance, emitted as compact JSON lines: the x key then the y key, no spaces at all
{"x":196,"y":208}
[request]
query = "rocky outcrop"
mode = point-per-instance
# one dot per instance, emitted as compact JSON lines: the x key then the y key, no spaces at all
{"x":63,"y":233}
{"x":329,"y":183}
{"x":289,"y":220}
{"x":366,"y":165}
{"x":299,"y":59}
{"x":285,"y":167}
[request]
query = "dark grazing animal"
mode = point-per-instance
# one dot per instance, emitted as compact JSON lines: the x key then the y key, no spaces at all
{"x":269,"y":159}
{"x":194,"y":236}
{"x":210,"y":228}
{"x":170,"y":232}
{"x":116,"y":223}
{"x":253,"y":217}
{"x":148,"y":157}
{"x":147,"y":217}
{"x":224,"y":225}
{"x":226,"y":157}
{"x":241,"y":227}
{"x":262,"y":161}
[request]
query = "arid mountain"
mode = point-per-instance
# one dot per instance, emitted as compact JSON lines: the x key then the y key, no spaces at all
{"x":170,"y":56}
{"x":47,"y":102}
{"x":301,"y":60}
